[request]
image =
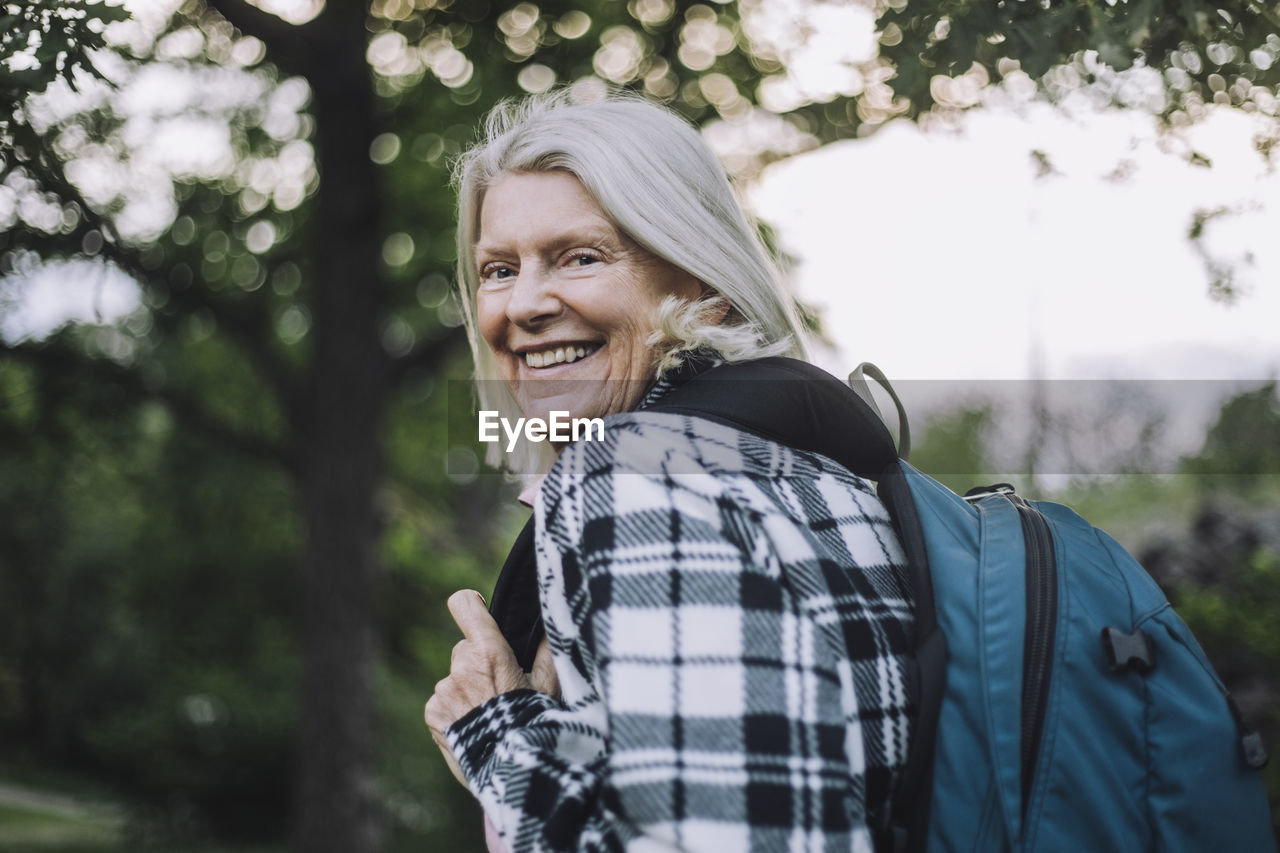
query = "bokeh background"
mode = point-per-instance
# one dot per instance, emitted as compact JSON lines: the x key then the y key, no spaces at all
{"x":234,"y":495}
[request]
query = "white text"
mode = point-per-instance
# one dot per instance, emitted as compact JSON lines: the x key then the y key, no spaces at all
{"x":559,"y":428}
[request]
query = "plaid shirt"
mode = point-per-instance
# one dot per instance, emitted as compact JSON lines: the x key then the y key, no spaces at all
{"x":730,"y":621}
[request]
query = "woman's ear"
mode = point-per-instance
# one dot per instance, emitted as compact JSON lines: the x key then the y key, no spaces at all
{"x":716,"y":306}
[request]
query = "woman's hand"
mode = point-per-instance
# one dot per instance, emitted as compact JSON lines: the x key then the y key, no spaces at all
{"x":482,"y":667}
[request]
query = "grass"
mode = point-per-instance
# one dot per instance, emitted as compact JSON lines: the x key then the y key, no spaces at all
{"x":32,"y":827}
{"x":44,"y":820}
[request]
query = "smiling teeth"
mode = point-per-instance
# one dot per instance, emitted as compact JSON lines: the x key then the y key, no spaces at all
{"x":559,"y":355}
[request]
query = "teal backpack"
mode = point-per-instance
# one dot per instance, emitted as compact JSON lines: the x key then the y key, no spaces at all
{"x":1077,"y":712}
{"x":1062,"y":703}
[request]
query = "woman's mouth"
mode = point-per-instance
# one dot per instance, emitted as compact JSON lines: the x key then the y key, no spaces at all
{"x":564,"y":354}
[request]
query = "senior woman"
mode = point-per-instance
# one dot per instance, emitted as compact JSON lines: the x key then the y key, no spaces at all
{"x":688,"y":694}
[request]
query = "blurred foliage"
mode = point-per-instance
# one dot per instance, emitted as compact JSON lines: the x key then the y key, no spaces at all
{"x":1201,"y":52}
{"x":139,"y":639}
{"x":953,"y":447}
{"x":1244,"y":442}
{"x":155,"y":473}
{"x":44,"y":42}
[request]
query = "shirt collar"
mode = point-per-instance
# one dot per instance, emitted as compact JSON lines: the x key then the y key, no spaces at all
{"x":693,"y":364}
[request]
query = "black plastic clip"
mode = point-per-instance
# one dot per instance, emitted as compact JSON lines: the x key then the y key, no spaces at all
{"x":1128,"y":651}
{"x":1252,"y":749}
{"x":994,"y":489}
{"x":1255,"y":753}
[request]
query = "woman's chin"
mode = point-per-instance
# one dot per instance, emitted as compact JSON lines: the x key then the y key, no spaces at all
{"x":574,"y":387}
{"x":584,"y":388}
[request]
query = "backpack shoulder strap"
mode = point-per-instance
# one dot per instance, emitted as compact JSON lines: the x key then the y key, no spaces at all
{"x":790,"y":402}
{"x":912,"y":798}
{"x":514,"y":605}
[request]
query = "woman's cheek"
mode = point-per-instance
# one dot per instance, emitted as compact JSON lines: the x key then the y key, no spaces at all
{"x":489,"y":317}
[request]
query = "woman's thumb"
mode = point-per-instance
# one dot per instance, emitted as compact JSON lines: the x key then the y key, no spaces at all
{"x":543,"y":675}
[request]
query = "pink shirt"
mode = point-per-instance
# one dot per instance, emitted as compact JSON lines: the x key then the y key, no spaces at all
{"x":491,"y":838}
{"x":531,"y":491}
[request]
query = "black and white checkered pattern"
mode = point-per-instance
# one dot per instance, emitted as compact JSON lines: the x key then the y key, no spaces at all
{"x":730,"y":622}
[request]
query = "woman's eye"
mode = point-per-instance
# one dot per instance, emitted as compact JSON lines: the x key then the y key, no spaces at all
{"x":496,"y":272}
{"x":583,"y":260}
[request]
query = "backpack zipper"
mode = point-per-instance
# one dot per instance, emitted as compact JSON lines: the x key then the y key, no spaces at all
{"x":1042,"y":611}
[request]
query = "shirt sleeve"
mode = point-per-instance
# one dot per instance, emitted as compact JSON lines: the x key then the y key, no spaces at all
{"x":718,"y":710}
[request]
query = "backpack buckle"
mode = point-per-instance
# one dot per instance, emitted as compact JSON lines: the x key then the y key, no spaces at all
{"x":1128,"y":651}
{"x":1252,"y":749}
{"x":1255,"y":754}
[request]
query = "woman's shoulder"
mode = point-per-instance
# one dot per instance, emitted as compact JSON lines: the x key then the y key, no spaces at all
{"x":638,"y":447}
{"x":661,"y":443}
{"x":710,"y":446}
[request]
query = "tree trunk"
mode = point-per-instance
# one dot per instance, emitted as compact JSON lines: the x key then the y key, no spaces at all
{"x":339,"y":430}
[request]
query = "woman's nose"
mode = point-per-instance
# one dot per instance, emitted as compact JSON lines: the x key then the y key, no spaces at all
{"x":533,"y":298}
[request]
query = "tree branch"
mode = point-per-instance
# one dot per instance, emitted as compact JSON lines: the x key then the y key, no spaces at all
{"x":287,"y":43}
{"x":1271,"y":17}
{"x":249,"y":329}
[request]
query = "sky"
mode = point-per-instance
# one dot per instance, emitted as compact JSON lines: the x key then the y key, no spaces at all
{"x":948,"y":255}
{"x":960,"y":257}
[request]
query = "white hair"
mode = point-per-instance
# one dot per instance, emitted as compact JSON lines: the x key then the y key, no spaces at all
{"x":661,"y":185}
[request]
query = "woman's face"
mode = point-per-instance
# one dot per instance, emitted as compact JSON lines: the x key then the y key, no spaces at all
{"x":566,"y":301}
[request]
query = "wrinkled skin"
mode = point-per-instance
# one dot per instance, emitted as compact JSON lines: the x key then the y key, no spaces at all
{"x":482,"y":667}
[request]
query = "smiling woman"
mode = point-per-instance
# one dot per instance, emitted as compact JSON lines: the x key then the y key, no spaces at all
{"x":564,"y":295}
{"x":700,"y":641}
{"x":644,"y":196}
